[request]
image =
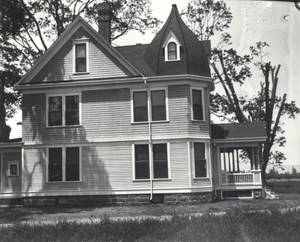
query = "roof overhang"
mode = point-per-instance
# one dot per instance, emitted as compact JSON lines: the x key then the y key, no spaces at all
{"x":116,"y":81}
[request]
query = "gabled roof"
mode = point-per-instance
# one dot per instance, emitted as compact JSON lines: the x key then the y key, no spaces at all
{"x":64,"y":37}
{"x":135,"y":54}
{"x":194,"y":59}
{"x":239,"y":131}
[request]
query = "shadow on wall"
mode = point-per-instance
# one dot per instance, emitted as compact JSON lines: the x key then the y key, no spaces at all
{"x":94,"y":177}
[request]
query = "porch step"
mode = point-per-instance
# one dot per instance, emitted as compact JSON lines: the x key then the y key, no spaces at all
{"x":269,"y":194}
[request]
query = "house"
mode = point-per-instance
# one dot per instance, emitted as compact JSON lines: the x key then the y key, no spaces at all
{"x":126,"y":125}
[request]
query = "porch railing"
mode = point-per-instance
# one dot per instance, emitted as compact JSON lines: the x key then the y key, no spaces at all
{"x":253,"y":177}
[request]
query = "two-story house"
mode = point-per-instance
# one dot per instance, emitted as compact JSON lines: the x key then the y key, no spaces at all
{"x":129,"y":124}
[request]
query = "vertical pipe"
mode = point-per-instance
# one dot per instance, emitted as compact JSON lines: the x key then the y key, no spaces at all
{"x":150,"y":137}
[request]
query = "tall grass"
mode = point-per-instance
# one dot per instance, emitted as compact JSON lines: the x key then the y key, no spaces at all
{"x":236,"y":225}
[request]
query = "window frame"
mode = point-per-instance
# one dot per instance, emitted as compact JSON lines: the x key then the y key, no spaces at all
{"x":150,"y":149}
{"x":9,"y":163}
{"x":81,"y":41}
{"x":149,"y":105}
{"x":172,"y":51}
{"x":206,"y":148}
{"x":63,"y":96}
{"x":171,"y":38}
{"x":64,"y":164}
{"x":203,"y":103}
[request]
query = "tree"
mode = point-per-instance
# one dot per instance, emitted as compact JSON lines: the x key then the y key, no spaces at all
{"x":28,"y":28}
{"x":209,"y":18}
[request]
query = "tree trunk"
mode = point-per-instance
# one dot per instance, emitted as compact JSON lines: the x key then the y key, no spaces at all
{"x":4,"y":129}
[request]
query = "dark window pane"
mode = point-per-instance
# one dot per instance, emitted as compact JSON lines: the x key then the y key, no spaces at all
{"x":197,"y":105}
{"x":172,"y":51}
{"x":160,"y":160}
{"x":158,"y":102}
{"x":200,"y":161}
{"x":80,"y":65}
{"x":72,"y":164}
{"x":72,"y":110}
{"x":142,"y":162}
{"x":140,"y":106}
{"x":55,"y":164}
{"x":13,"y":168}
{"x":55,"y":111}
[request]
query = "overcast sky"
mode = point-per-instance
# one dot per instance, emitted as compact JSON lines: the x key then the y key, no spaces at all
{"x":274,"y":22}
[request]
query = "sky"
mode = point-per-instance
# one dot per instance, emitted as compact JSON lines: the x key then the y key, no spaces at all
{"x":272,"y":21}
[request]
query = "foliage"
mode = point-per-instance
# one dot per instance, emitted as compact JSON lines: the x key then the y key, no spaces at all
{"x":274,"y":174}
{"x":231,"y":70}
{"x":29,"y":27}
{"x":235,"y":225}
{"x":285,"y":186}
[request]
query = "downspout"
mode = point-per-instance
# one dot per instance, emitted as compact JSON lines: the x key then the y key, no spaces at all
{"x":150,"y":136}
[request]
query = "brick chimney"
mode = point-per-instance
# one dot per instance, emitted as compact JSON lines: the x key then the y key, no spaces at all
{"x":104,"y":21}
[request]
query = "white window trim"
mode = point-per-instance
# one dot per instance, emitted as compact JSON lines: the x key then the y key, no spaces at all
{"x":154,"y":179}
{"x":171,"y":38}
{"x":203,"y":104}
{"x":9,"y":163}
{"x":81,"y":41}
{"x":206,"y":158}
{"x":63,"y":109}
{"x":64,"y":164}
{"x":149,"y":105}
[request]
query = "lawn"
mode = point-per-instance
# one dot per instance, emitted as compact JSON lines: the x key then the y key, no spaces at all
{"x":285,"y":186}
{"x":236,"y":225}
{"x":247,"y":220}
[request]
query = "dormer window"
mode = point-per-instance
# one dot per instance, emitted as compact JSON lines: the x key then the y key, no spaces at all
{"x":172,"y":48}
{"x":172,"y":51}
{"x":81,"y":56}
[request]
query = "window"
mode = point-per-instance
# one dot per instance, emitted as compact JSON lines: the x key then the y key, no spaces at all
{"x":197,"y":104}
{"x":63,"y":110}
{"x":172,"y":48}
{"x":142,"y":161}
{"x":158,"y":101}
{"x":81,"y":57}
{"x":200,"y":160}
{"x":13,"y":168}
{"x":172,"y":51}
{"x":64,"y":164}
{"x":140,"y":106}
{"x":160,"y":161}
{"x":158,"y":106}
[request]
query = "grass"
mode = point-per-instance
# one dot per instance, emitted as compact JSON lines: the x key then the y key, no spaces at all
{"x":285,"y":186}
{"x":236,"y":225}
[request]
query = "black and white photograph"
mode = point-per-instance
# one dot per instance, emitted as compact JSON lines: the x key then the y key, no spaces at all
{"x":149,"y":120}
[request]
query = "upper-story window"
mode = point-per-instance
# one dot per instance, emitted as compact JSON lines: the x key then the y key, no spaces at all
{"x":171,"y":47}
{"x":81,"y":56}
{"x":197,"y":104}
{"x":172,"y":51}
{"x":63,"y":110}
{"x":158,"y":105}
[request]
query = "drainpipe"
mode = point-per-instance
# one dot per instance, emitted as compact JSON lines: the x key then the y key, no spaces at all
{"x":150,"y":136}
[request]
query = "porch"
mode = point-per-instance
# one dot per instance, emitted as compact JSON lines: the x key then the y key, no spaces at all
{"x":236,"y":155}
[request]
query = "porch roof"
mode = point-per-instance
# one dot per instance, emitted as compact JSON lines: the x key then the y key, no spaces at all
{"x":239,"y":132}
{"x":12,"y":143}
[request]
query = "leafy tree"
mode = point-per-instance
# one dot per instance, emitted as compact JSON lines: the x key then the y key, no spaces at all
{"x":208,"y":18}
{"x":29,"y":27}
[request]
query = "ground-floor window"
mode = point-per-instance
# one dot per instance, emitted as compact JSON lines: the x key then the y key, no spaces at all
{"x":200,"y":161}
{"x":64,"y":164}
{"x":13,"y":168}
{"x":142,"y":161}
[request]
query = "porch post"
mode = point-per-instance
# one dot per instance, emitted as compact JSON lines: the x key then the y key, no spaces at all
{"x":228,"y":156}
{"x":237,"y":159}
{"x":257,"y":157}
{"x":233,"y":161}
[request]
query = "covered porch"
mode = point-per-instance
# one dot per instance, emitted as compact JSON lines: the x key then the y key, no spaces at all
{"x":236,"y":158}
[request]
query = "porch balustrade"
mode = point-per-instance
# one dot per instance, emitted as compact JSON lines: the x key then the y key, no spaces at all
{"x":253,"y":177}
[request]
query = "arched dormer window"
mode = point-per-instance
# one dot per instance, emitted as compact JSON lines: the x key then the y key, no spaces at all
{"x":171,"y":47}
{"x":172,"y":51}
